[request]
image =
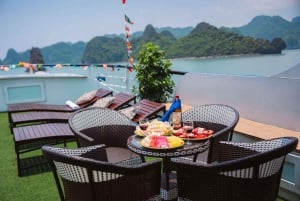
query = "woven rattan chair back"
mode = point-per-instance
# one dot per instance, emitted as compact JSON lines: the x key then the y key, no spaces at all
{"x":101,"y":126}
{"x":91,"y":117}
{"x":220,"y":118}
{"x":245,"y":171}
{"x":80,"y":174}
{"x":94,"y":126}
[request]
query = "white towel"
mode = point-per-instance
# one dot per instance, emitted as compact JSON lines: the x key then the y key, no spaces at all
{"x":72,"y":105}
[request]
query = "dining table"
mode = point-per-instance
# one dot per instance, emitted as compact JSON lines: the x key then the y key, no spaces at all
{"x":135,"y":144}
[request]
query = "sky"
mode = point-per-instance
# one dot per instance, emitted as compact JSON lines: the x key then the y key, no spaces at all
{"x":40,"y":23}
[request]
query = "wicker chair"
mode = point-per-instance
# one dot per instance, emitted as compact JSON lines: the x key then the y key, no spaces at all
{"x":81,"y":174}
{"x":92,"y":126}
{"x":220,"y":118}
{"x":245,"y":171}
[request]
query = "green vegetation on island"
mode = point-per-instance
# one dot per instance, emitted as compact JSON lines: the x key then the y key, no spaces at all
{"x":263,"y":35}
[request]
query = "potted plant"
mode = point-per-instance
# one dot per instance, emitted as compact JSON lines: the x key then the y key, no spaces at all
{"x":153,"y":74}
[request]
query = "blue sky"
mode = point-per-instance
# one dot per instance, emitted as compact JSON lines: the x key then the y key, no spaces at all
{"x":39,"y":23}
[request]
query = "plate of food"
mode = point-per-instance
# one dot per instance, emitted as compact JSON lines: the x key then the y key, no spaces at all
{"x":196,"y":134}
{"x":140,"y":132}
{"x":154,"y":127}
{"x":162,"y":142}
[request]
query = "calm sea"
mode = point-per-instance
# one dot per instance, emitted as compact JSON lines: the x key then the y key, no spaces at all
{"x":260,"y":65}
{"x":256,"y":65}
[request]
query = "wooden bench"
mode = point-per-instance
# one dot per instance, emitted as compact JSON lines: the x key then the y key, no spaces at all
{"x":37,"y":117}
{"x":149,"y":109}
{"x":33,"y":137}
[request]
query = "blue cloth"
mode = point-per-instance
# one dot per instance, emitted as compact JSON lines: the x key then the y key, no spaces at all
{"x":175,"y":105}
{"x":101,"y":78}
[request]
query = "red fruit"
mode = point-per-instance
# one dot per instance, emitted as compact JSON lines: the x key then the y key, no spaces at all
{"x":200,"y":136}
{"x":153,"y":141}
{"x":183,"y":135}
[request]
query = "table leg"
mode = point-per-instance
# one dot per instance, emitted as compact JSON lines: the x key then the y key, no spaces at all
{"x":169,"y":191}
{"x":170,"y":194}
{"x":166,"y":170}
{"x":143,"y":158}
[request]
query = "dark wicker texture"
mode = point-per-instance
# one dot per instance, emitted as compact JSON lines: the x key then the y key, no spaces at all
{"x":93,"y":126}
{"x":168,"y":189}
{"x":245,"y":171}
{"x":222,"y":119}
{"x":80,"y":174}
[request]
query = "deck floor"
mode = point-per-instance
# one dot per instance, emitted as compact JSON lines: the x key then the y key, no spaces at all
{"x":258,"y":130}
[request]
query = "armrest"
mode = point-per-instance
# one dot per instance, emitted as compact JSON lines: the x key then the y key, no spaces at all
{"x":84,"y":140}
{"x":231,"y":151}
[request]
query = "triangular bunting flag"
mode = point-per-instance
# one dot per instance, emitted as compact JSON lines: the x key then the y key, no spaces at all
{"x":128,"y":20}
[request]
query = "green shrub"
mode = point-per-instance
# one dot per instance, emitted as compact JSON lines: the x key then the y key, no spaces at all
{"x":153,"y":74}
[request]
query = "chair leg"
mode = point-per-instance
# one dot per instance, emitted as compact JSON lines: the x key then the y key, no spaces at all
{"x":18,"y":159}
{"x":230,"y":135}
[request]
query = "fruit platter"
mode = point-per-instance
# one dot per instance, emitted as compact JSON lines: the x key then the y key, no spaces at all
{"x":196,"y":134}
{"x":162,"y":142}
{"x":154,"y":127}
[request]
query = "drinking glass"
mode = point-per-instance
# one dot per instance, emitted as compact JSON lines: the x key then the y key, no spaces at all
{"x":188,"y":128}
{"x":143,"y":123}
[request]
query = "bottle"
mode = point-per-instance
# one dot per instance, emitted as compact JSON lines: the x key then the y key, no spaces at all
{"x":176,"y":115}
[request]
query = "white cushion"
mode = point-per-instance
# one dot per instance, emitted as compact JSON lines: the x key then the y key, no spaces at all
{"x":86,"y":97}
{"x":130,"y":112}
{"x":104,"y":102}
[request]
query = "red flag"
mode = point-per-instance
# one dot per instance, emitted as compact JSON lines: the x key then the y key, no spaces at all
{"x":127,"y":28}
{"x":130,"y":69}
{"x":123,"y":1}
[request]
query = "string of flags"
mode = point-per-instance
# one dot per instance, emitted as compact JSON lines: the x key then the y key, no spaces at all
{"x":40,"y":67}
{"x":128,"y":23}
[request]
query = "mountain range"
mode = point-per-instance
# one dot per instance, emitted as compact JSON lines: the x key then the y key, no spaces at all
{"x":258,"y":36}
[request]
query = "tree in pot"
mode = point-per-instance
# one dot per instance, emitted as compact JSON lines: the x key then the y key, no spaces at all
{"x":153,"y":74}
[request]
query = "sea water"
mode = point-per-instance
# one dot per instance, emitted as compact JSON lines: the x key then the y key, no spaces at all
{"x":120,"y":79}
{"x":257,"y":65}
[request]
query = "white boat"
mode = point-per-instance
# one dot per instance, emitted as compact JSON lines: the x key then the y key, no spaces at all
{"x":270,"y":109}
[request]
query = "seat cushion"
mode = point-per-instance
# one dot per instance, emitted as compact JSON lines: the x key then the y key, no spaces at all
{"x":86,"y":97}
{"x":118,"y":154}
{"x":104,"y":102}
{"x":130,"y":112}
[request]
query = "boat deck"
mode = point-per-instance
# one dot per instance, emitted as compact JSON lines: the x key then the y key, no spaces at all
{"x":258,"y":130}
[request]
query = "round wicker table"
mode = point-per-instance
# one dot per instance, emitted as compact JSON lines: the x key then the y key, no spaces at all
{"x":198,"y":146}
